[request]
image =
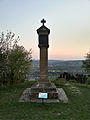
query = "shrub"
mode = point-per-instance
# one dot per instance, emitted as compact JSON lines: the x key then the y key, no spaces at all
{"x":88,"y":81}
{"x":74,"y":81}
{"x":59,"y":82}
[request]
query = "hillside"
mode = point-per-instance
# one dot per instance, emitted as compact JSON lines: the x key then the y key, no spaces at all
{"x":78,"y":107}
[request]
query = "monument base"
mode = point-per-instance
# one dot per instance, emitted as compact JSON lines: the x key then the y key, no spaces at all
{"x":53,"y":94}
{"x":46,"y":87}
{"x":26,"y":97}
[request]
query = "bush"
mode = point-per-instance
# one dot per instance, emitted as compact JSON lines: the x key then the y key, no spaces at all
{"x":74,"y":81}
{"x":30,"y":83}
{"x":59,"y":82}
{"x":88,"y":81}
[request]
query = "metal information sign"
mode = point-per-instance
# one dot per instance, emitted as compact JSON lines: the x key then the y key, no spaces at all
{"x":43,"y":95}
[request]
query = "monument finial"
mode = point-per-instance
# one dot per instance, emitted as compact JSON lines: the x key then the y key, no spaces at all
{"x":43,"y":21}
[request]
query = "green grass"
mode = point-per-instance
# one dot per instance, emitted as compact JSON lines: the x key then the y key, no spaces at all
{"x":78,"y":107}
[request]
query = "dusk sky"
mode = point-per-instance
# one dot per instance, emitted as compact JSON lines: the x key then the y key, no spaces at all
{"x":68,"y":21}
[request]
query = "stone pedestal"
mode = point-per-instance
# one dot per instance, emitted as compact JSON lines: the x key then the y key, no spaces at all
{"x":44,"y":88}
{"x":26,"y":97}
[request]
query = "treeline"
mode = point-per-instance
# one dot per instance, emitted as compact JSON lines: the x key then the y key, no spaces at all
{"x":79,"y":78}
{"x":15,"y":61}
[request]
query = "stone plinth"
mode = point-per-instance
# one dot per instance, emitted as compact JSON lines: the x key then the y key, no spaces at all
{"x":26,"y":97}
{"x":49,"y":88}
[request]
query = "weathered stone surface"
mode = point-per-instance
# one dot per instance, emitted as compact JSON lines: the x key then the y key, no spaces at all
{"x":46,"y":87}
{"x":26,"y":97}
{"x":43,"y":87}
{"x":43,"y":65}
{"x":62,"y":95}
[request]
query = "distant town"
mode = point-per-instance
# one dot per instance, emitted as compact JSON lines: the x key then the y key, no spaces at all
{"x":55,"y":68}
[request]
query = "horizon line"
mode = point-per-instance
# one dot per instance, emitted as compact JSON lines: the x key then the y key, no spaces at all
{"x":63,"y":60}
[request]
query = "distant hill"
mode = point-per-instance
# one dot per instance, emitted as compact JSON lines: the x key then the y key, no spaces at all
{"x":66,"y":63}
{"x":61,"y":65}
{"x":56,"y":67}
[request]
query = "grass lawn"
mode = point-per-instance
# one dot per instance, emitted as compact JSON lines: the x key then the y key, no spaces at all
{"x":78,"y":107}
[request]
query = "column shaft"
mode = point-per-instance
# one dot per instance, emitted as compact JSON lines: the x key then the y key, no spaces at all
{"x":43,"y":64}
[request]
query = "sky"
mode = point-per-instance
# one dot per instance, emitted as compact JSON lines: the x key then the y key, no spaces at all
{"x":68,"y":21}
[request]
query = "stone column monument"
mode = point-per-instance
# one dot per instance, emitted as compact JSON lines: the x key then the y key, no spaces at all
{"x":43,"y":85}
{"x":43,"y":33}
